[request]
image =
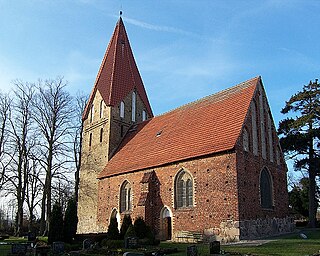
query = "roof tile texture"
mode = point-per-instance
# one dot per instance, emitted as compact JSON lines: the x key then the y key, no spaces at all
{"x":210,"y":125}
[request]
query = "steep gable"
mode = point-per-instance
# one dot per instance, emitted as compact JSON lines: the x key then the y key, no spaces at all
{"x":210,"y":125}
{"x":118,"y":74}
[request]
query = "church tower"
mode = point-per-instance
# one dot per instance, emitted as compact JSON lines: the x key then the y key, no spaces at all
{"x":118,"y":101}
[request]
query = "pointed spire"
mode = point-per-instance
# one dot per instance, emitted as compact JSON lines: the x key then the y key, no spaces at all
{"x":118,"y":74}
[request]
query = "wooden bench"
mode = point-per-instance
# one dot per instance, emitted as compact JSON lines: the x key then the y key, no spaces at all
{"x":190,"y":237}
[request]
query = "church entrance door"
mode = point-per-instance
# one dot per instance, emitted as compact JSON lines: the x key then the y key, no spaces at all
{"x":166,"y":224}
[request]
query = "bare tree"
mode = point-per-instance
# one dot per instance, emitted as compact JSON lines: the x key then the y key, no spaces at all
{"x":81,"y":101}
{"x":34,"y":190}
{"x":53,"y":115}
{"x":5,"y":110}
{"x":22,"y":143}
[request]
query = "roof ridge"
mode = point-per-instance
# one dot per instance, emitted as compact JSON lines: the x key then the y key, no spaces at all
{"x":241,"y":85}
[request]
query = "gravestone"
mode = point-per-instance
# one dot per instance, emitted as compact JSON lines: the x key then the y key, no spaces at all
{"x":131,"y":243}
{"x":58,"y":247}
{"x":86,"y":244}
{"x":215,"y":247}
{"x":31,"y":236}
{"x":133,"y":254}
{"x":192,"y":250}
{"x":18,"y":249}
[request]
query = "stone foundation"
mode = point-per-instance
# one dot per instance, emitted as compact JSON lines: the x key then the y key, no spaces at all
{"x":234,"y":231}
{"x":252,"y":229}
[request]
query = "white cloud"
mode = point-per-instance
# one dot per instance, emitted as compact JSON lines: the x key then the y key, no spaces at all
{"x":157,"y":27}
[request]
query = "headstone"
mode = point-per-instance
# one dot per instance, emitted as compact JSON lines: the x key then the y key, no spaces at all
{"x":215,"y":247}
{"x":133,"y":254}
{"x":131,"y":243}
{"x":58,"y":247}
{"x":31,"y":236}
{"x":192,"y":250}
{"x":304,"y":236}
{"x":86,"y":244}
{"x":19,"y":249}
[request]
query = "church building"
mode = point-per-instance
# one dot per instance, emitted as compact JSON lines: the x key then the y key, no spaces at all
{"x":212,"y":167}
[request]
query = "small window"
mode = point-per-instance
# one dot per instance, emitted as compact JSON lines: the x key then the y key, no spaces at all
{"x":144,"y":115}
{"x":184,"y":190}
{"x":101,"y":108}
{"x":90,"y":139}
{"x":101,"y":134}
{"x":121,"y":131}
{"x":125,"y":197}
{"x":133,"y":116}
{"x":92,"y":113}
{"x":254,"y":128}
{"x":266,"y":189}
{"x":245,"y":141}
{"x":122,"y":109}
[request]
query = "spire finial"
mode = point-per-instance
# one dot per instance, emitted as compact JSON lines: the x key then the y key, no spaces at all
{"x":120,"y":13}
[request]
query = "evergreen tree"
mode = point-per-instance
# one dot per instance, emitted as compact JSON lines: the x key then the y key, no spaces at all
{"x":55,"y":224}
{"x":126,"y":222}
{"x":300,"y":137}
{"x":130,"y":232}
{"x":70,"y":221}
{"x":298,"y":197}
{"x":113,"y":231}
{"x":140,"y":227}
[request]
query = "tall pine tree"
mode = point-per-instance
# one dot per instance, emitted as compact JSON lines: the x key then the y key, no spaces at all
{"x":55,"y":224}
{"x":300,"y":137}
{"x":70,"y":221}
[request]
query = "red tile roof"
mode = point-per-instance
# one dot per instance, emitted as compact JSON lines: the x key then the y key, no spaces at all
{"x":210,"y":125}
{"x":118,"y":74}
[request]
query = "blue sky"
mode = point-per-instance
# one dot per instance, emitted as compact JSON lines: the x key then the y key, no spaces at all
{"x":184,"y":49}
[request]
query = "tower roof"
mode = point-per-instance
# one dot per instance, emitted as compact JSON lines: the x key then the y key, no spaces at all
{"x":118,"y":74}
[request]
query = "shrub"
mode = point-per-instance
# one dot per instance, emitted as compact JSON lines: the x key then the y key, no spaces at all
{"x":126,"y":223}
{"x":130,"y":232}
{"x":113,"y":231}
{"x":140,"y":227}
{"x":112,"y":244}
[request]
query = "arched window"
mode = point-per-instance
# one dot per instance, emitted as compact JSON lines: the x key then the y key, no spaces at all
{"x":266,"y":189}
{"x":91,"y":113}
{"x":122,"y":109}
{"x":125,"y":197}
{"x":245,"y":140}
{"x":133,"y":117}
{"x":183,"y":190}
{"x":101,"y":134}
{"x":144,"y":115}
{"x":101,"y":108}
{"x":254,"y":128}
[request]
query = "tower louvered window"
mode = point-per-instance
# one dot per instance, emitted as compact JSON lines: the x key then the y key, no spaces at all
{"x":92,"y":113}
{"x":101,"y":109}
{"x":122,"y":109}
{"x":133,"y":109}
{"x":183,"y":190}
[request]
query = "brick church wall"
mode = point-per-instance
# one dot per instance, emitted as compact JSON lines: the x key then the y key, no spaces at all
{"x":215,"y":195}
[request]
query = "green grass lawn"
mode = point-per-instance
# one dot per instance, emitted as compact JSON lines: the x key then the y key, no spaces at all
{"x":289,"y":245}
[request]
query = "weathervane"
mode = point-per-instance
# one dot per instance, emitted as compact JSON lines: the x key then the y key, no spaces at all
{"x":120,"y":13}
